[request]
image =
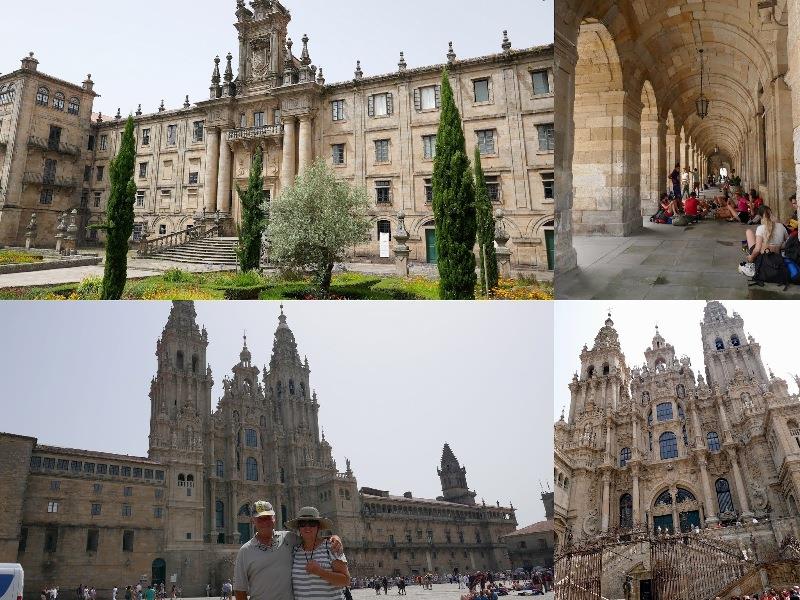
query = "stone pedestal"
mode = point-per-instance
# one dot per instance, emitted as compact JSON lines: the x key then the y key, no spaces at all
{"x":503,"y":254}
{"x":401,"y":250}
{"x":61,"y":230}
{"x":30,"y":233}
{"x":70,"y":245}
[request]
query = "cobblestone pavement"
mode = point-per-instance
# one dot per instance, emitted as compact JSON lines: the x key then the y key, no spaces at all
{"x":698,"y":262}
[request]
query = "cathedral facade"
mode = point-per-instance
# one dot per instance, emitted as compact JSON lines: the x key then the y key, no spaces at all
{"x":377,"y":132}
{"x":72,"y":516}
{"x":665,"y":449}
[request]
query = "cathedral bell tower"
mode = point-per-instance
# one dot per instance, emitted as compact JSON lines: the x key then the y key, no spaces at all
{"x":454,"y":480}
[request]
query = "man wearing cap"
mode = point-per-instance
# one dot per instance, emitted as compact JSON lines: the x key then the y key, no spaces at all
{"x":263,"y":568}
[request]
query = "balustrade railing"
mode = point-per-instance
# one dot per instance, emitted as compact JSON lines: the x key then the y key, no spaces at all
{"x":149,"y":247}
{"x":253,"y":133}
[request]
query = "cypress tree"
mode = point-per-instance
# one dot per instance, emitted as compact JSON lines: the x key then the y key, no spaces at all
{"x":483,"y":207}
{"x":453,"y":204}
{"x":119,"y":225}
{"x":253,"y":216}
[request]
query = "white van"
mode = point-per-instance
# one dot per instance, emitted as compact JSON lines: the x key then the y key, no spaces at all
{"x":11,"y":580}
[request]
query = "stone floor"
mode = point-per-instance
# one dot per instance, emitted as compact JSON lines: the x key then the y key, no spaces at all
{"x":663,"y":262}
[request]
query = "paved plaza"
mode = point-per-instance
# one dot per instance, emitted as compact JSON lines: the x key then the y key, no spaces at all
{"x":664,"y":262}
{"x":443,"y":591}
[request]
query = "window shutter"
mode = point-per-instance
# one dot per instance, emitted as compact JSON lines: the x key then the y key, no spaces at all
{"x":417,"y":100}
{"x":489,"y":86}
{"x":333,"y":110}
{"x":371,"y":106}
{"x":438,"y":93}
{"x":389,"y":103}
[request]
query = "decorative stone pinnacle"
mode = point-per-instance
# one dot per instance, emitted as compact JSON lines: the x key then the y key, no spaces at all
{"x":139,"y":111}
{"x":506,"y":42}
{"x":320,"y":77}
{"x":161,"y":107}
{"x":215,"y":78}
{"x":359,"y":72}
{"x":305,"y":58}
{"x":186,"y":102}
{"x":451,"y":55}
{"x":228,"y":68}
{"x":402,"y":65}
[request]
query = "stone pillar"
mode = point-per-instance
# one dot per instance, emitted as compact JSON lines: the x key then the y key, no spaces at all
{"x":503,"y":254}
{"x":654,"y":164}
{"x":287,"y":162}
{"x":741,"y":492}
{"x":792,"y":77}
{"x":224,"y":179}
{"x":606,"y":499}
{"x":212,"y":169}
{"x":30,"y":233}
{"x":566,"y":57}
{"x":637,"y":513}
{"x":401,"y":250}
{"x":726,"y":428}
{"x":780,"y":163}
{"x":708,"y":496}
{"x":306,"y":144}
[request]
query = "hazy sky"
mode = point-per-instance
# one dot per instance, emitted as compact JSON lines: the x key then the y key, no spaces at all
{"x":141,"y":52}
{"x":577,"y":323}
{"x":395,"y":381}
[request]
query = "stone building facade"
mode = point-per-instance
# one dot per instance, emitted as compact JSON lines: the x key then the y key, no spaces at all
{"x":78,"y":516}
{"x":662,"y":447}
{"x":533,"y":546}
{"x":377,"y":132}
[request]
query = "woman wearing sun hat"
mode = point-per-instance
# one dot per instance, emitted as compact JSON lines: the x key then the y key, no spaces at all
{"x":317,"y":572}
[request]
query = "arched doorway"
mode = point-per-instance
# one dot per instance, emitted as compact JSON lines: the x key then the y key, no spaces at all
{"x":431,"y":251}
{"x":158,"y":573}
{"x":550,"y":244}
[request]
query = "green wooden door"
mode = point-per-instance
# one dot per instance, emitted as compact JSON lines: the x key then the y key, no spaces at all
{"x":430,"y":246}
{"x":550,"y":244}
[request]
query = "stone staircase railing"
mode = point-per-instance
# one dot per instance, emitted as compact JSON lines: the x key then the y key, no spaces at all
{"x":149,"y":247}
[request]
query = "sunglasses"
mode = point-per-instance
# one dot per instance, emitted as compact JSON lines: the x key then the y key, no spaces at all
{"x":307,"y":523}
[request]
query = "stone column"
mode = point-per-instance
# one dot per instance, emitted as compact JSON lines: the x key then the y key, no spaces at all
{"x":654,"y":164}
{"x":708,"y":496}
{"x":306,"y":144}
{"x":503,"y":254}
{"x":606,"y":499}
{"x":741,"y":492}
{"x":401,"y":250}
{"x":224,"y":179}
{"x":287,"y":162}
{"x":637,"y":513}
{"x":726,"y":428}
{"x":781,"y":167}
{"x":212,"y":169}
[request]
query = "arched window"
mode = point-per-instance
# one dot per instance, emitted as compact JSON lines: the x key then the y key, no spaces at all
{"x":719,"y":344}
{"x":244,"y":510}
{"x":664,"y":499}
{"x":680,"y":391}
{"x":74,"y":106}
{"x":712,"y":439}
{"x":645,"y":398}
{"x":724,"y":498}
{"x":606,"y":369}
{"x":189,"y":479}
{"x":291,"y":387}
{"x":384,"y":227}
{"x":684,"y":496}
{"x":250,"y":438}
{"x":220,"y":512}
{"x":735,"y":340}
{"x":668,"y":444}
{"x":590,"y":372}
{"x":179,"y":359}
{"x":252,"y":469}
{"x":195,"y":362}
{"x":42,"y":96}
{"x":624,"y":456}
{"x":626,"y":511}
{"x":220,"y":468}
{"x":58,"y":101}
{"x":181,"y":477}
{"x":664,"y":411}
{"x":7,"y":94}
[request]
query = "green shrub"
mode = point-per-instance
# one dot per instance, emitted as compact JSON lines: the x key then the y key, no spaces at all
{"x":18,"y":257}
{"x":90,"y":288}
{"x":178,"y":276}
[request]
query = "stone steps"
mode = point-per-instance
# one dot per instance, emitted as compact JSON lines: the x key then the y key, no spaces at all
{"x":212,"y":251}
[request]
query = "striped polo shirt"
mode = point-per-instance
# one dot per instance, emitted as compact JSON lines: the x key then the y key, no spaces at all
{"x":312,"y":587}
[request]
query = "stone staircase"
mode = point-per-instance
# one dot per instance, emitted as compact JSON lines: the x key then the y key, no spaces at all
{"x":210,"y":251}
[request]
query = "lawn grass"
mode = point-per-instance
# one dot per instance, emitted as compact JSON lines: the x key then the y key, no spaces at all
{"x":18,"y":257}
{"x":180,"y":285}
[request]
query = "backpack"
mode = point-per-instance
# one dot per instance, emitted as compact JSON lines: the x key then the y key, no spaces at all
{"x":770,"y":268}
{"x":680,"y":221}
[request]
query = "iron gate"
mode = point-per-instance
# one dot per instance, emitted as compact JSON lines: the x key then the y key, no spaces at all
{"x":578,"y":574}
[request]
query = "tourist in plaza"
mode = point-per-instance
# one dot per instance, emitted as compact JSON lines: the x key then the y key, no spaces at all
{"x":791,"y":222}
{"x":695,"y":179}
{"x":743,"y":207}
{"x":128,"y":593}
{"x":756,"y":201}
{"x":208,"y":590}
{"x":114,"y":593}
{"x":150,"y":593}
{"x":227,"y":589}
{"x":263,"y":567}
{"x":385,"y":584}
{"x":401,"y":586}
{"x":317,"y":573}
{"x":769,"y":237}
{"x":684,"y":182}
{"x":675,"y":179}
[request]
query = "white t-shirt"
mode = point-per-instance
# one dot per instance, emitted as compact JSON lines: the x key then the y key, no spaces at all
{"x":779,"y":234}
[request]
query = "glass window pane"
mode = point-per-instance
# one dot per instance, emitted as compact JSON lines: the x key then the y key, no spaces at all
{"x":428,"y":97}
{"x":541,"y":83}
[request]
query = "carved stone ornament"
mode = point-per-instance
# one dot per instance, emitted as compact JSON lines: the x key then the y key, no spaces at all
{"x":591,"y":522}
{"x":259,"y":58}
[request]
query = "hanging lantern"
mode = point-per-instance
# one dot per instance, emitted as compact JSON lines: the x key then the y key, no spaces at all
{"x":702,"y":102}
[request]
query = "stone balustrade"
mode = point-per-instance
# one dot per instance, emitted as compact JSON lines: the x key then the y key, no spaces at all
{"x":255,"y":133}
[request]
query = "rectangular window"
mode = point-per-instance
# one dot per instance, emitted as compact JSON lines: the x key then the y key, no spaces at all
{"x":140,"y":199}
{"x":162,"y":229}
{"x":380,"y":105}
{"x":113,"y":469}
{"x":88,"y":467}
{"x":549,"y":185}
{"x":172,"y":135}
{"x":143,"y":170}
{"x":126,"y":510}
{"x":277,"y":116}
{"x":97,"y":198}
{"x":95,"y":509}
{"x":52,"y":506}
{"x":55,"y":485}
{"x":481,"y":87}
{"x":92,"y":539}
{"x":486,"y":141}
{"x":541,"y":82}
{"x":337,"y":109}
{"x":158,"y":512}
{"x":51,"y":539}
{"x":127,"y":491}
{"x":160,"y":475}
{"x":54,"y":139}
{"x":338,"y":154}
{"x":100,"y":171}
{"x":198,"y":131}
{"x":242,"y":121}
{"x":104,"y":142}
{"x":546,"y":137}
{"x":46,"y":197}
{"x":258,"y":119}
{"x":127,"y":541}
{"x":49,"y":173}
{"x":159,"y":493}
{"x":381,"y":151}
{"x":428,"y":191}
{"x":84,"y":199}
{"x":429,"y":147}
{"x":137,"y":471}
{"x":493,"y":186}
{"x":49,"y":463}
{"x":23,"y":539}
{"x":383,"y":192}
{"x":102,"y":469}
{"x":126,"y":471}
{"x":62,"y":464}
{"x":188,"y":535}
{"x":98,"y":487}
{"x":145,"y":137}
{"x":427,"y":98}
{"x":148,"y":473}
{"x":36,"y":462}
{"x":87,"y":173}
{"x":75,"y":466}
{"x":194,"y":177}
{"x":90,"y":146}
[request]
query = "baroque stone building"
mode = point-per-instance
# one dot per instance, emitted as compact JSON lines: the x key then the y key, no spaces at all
{"x":378,"y":132}
{"x":533,"y":546}
{"x":74,"y":516}
{"x":663,"y":448}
